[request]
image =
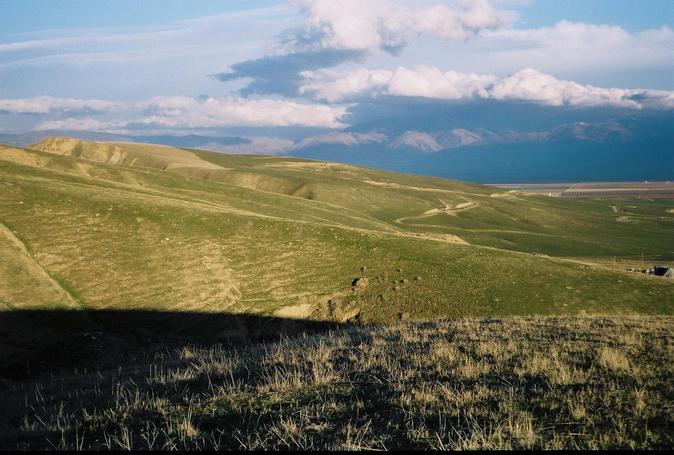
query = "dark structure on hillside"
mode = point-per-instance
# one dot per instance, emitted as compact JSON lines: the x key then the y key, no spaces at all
{"x":657,"y":270}
{"x":661,"y":270}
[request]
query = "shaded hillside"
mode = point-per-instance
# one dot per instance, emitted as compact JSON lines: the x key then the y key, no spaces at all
{"x":516,"y":383}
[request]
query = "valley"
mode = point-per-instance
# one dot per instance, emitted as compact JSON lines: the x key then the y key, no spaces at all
{"x":604,"y":190}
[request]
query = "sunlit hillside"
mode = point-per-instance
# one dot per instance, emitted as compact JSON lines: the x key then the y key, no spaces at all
{"x":115,"y":226}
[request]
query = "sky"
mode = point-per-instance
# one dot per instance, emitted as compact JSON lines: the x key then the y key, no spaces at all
{"x":199,"y":65}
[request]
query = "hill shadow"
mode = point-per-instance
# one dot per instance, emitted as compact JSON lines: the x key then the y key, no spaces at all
{"x":40,"y":342}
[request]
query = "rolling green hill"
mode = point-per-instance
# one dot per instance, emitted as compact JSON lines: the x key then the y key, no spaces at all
{"x":136,"y":265}
{"x":119,"y":226}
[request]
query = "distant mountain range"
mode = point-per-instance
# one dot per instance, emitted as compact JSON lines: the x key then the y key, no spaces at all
{"x":630,"y":148}
{"x":517,"y":147}
{"x":438,"y":140}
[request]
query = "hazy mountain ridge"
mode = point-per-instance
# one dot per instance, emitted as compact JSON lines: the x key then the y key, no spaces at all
{"x":516,"y":147}
{"x":452,"y":138}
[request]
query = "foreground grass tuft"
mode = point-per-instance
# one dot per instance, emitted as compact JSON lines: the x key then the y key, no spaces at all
{"x":513,"y":383}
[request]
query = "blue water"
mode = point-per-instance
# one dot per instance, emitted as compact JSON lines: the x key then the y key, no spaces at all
{"x":521,"y":163}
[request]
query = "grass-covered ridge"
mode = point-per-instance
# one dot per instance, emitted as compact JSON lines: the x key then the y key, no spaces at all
{"x":132,"y":227}
{"x":549,"y":383}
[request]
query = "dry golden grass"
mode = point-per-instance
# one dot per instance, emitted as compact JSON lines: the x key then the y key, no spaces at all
{"x":614,"y":360}
{"x":28,"y":284}
{"x":516,"y":383}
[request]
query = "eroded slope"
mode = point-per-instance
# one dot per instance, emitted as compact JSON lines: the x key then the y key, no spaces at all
{"x":143,"y":238}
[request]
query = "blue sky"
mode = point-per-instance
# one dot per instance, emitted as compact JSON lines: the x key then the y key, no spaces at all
{"x":200,"y":64}
{"x":632,"y":15}
{"x":35,"y":15}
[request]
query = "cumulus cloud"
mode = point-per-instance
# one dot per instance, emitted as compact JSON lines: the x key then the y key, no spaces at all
{"x":432,"y":83}
{"x":387,"y":24}
{"x":426,"y":82}
{"x":186,"y":112}
{"x":331,"y":85}
{"x":280,"y":73}
{"x":421,"y":81}
{"x":178,"y":112}
{"x":48,"y":105}
{"x":532,"y":85}
{"x":333,"y":33}
{"x":573,"y":48}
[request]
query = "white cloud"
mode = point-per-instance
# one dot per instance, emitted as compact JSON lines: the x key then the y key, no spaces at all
{"x":332,"y":85}
{"x":573,"y":48}
{"x":48,"y":104}
{"x":170,"y":58}
{"x":32,"y":44}
{"x":186,"y":112}
{"x":176,"y":112}
{"x":427,"y":82}
{"x":386,"y":24}
{"x":532,"y":85}
{"x":79,"y":124}
{"x":422,"y":81}
{"x":430,"y":82}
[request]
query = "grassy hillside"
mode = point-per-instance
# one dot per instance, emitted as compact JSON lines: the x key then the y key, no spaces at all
{"x":139,"y":227}
{"x":134,"y":278}
{"x":148,"y":227}
{"x":522,"y":383}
